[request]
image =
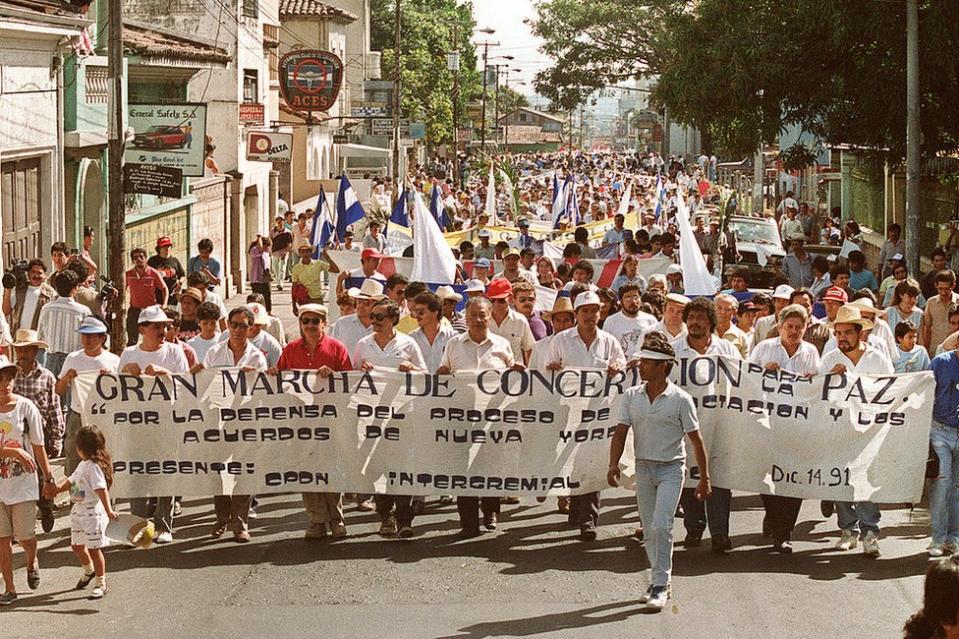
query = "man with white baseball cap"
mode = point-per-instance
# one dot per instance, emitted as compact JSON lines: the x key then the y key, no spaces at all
{"x":854,"y":355}
{"x":661,"y":415}
{"x":154,"y":356}
{"x":93,"y":357}
{"x":585,"y":346}
{"x":672,"y":324}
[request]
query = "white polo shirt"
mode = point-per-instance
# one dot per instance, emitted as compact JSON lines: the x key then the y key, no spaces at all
{"x":659,"y":427}
{"x":515,"y":328}
{"x":169,"y":356}
{"x":220,"y":356}
{"x":463,"y":354}
{"x":433,"y":353}
{"x":872,"y":361}
{"x":804,"y":361}
{"x":537,"y":359}
{"x":569,"y":349}
{"x":400,"y":349}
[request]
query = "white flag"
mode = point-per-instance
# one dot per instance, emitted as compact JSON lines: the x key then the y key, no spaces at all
{"x":627,"y":196}
{"x":696,"y":277}
{"x":433,"y":261}
{"x":491,"y":198}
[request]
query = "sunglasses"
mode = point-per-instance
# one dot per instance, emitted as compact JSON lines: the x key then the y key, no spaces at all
{"x":238,"y":326}
{"x":379,"y":316}
{"x":310,"y":321}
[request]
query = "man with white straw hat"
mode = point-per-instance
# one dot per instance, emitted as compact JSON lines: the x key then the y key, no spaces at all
{"x":450,"y":300}
{"x":585,"y":346}
{"x":661,"y":415}
{"x":560,"y":317}
{"x":878,"y":335}
{"x":38,"y":385}
{"x":854,"y":355}
{"x":93,"y":357}
{"x":352,"y":328}
{"x":154,"y":356}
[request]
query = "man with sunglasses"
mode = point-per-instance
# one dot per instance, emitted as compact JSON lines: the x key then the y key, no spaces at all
{"x":154,"y":356}
{"x":388,"y":349}
{"x":316,"y":351}
{"x":509,"y":323}
{"x":237,"y":351}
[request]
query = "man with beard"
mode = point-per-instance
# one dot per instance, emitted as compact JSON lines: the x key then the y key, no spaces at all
{"x":629,"y":324}
{"x":856,"y":519}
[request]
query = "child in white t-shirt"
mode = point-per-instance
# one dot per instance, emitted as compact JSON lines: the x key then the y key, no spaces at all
{"x":88,"y":486}
{"x":910,"y":357}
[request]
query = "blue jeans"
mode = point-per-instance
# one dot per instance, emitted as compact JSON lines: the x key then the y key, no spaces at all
{"x":658,"y":486}
{"x":944,"y":493}
{"x":54,"y":363}
{"x":859,"y":517}
{"x":714,"y":511}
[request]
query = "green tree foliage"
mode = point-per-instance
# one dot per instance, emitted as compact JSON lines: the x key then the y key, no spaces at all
{"x":836,"y":69}
{"x":510,"y":100}
{"x":429,"y":29}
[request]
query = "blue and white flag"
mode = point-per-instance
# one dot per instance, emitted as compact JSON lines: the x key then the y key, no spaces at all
{"x":323,"y":228}
{"x":559,"y":200}
{"x":348,"y":208}
{"x":437,"y":209}
{"x":433,"y":260}
{"x":572,"y":208}
{"x":660,"y":197}
{"x":400,"y":215}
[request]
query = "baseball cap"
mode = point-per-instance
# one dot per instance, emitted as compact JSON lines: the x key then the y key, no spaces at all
{"x":6,"y":364}
{"x":92,"y":326}
{"x":481,"y":263}
{"x":370,"y":252}
{"x":835,"y":294}
{"x":783,"y":292}
{"x":484,"y":233}
{"x":676,"y":298}
{"x":475,"y":286}
{"x":260,"y":316}
{"x":511,"y":251}
{"x":192,"y":292}
{"x":499,"y":289}
{"x":523,"y":223}
{"x":318,"y":309}
{"x":164,"y":241}
{"x":674,"y":269}
{"x":586,"y":298}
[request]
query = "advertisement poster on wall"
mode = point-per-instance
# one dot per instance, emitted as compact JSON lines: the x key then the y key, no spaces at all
{"x":170,"y":135}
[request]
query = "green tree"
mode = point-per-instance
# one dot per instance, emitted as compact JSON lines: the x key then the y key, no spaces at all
{"x":510,"y":100}
{"x":429,"y":29}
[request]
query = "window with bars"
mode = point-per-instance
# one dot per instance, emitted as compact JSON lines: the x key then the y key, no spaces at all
{"x":251,"y":88}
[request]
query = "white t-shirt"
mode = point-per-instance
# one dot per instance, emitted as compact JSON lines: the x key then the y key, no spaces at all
{"x":18,"y":485}
{"x":629,"y":330}
{"x":85,"y":481}
{"x":402,"y":348}
{"x":169,"y":356}
{"x":201,"y":345}
{"x":220,"y":356}
{"x":872,"y":361}
{"x":81,"y":363}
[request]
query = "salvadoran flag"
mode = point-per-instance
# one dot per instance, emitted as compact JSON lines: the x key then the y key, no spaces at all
{"x":491,"y":198}
{"x":399,"y":214}
{"x":660,"y":197}
{"x":437,"y":210}
{"x":433,"y":260}
{"x":572,"y":208}
{"x":559,"y":201}
{"x":323,"y":228}
{"x":348,"y":208}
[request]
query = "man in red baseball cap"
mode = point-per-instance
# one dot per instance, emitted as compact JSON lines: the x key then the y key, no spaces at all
{"x":369,"y":263}
{"x":833,"y":299}
{"x":508,"y":322}
{"x":169,"y":267}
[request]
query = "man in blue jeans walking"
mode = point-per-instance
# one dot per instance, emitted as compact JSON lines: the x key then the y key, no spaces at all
{"x":661,"y":415}
{"x":944,"y":437}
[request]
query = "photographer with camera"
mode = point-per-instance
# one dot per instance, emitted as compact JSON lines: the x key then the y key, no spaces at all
{"x":25,"y":292}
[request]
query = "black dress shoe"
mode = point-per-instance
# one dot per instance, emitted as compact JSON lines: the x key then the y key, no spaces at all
{"x":489,"y":521}
{"x":587,"y":532}
{"x":469,"y":533}
{"x":827,"y":508}
{"x":46,"y":517}
{"x":721,"y":544}
{"x":693,"y":540}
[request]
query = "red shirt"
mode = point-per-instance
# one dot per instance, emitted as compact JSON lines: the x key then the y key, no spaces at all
{"x":143,"y":286}
{"x":328,"y":352}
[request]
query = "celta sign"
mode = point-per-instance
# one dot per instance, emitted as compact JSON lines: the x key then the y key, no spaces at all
{"x":310,"y":80}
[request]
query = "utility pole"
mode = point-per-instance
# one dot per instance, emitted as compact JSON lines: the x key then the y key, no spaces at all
{"x":496,"y":103}
{"x":912,"y":136}
{"x":116,"y":205}
{"x":397,"y":88}
{"x":758,"y":167}
{"x":483,"y":127}
{"x":453,"y":60}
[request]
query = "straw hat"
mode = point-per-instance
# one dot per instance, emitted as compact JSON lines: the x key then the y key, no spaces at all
{"x":850,"y":314}
{"x":27,"y":337}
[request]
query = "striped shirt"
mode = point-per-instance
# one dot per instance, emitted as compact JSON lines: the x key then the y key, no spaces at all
{"x":59,"y":320}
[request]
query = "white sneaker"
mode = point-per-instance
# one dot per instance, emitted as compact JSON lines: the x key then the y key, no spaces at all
{"x":645,"y":597}
{"x":98,"y":592}
{"x":935,"y":550}
{"x":870,"y":544}
{"x":657,"y":598}
{"x":848,"y":541}
{"x":164,"y":538}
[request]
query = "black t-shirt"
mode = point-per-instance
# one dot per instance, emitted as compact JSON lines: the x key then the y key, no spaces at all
{"x":172,"y":272}
{"x":188,"y":329}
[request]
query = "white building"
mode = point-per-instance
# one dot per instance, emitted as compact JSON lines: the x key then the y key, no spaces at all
{"x":34,"y":37}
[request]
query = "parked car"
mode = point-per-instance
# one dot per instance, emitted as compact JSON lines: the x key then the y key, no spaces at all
{"x":161,"y":136}
{"x":760,"y":248}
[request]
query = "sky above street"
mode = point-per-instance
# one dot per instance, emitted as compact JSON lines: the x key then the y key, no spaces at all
{"x":514,"y":37}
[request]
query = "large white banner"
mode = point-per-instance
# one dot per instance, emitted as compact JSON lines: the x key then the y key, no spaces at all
{"x":844,"y":438}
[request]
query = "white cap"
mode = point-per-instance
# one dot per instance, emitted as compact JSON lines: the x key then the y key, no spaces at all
{"x":676,"y":298}
{"x":674,"y":269}
{"x":152,"y":314}
{"x":783,"y":292}
{"x":586,"y":298}
{"x":260,"y":316}
{"x":475,"y":286}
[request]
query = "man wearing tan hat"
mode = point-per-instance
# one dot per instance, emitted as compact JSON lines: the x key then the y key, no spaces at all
{"x":512,"y":271}
{"x":560,"y":318}
{"x":39,"y":386}
{"x":352,"y":328}
{"x":860,"y":519}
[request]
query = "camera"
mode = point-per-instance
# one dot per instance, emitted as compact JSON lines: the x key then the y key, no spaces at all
{"x":16,"y":275}
{"x":109,"y":290}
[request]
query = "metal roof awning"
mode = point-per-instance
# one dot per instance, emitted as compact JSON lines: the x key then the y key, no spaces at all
{"x":363,"y":151}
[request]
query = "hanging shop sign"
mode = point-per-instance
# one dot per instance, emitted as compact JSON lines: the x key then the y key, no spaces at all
{"x":310,"y":80}
{"x":170,"y":135}
{"x":151,"y":179}
{"x":267,"y":146}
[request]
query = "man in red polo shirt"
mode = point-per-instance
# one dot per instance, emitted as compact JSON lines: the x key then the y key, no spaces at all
{"x":143,"y":283}
{"x":315,"y":350}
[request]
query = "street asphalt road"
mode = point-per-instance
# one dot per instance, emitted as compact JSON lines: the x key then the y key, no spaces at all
{"x":530,"y":578}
